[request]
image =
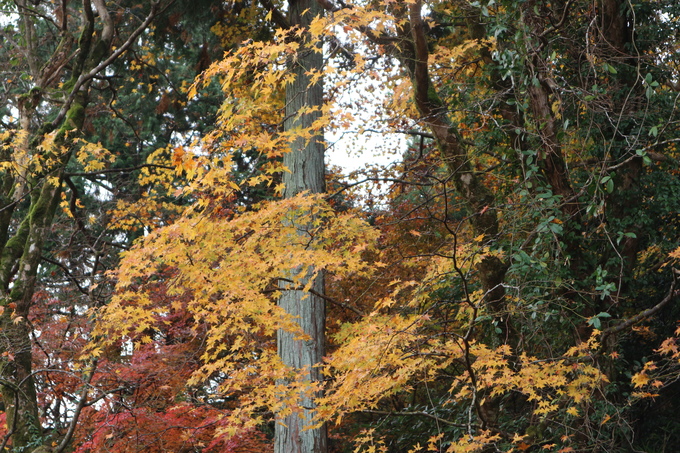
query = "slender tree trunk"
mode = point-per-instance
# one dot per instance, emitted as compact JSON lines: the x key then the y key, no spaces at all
{"x":21,"y":251}
{"x":480,"y":200}
{"x":306,"y":165}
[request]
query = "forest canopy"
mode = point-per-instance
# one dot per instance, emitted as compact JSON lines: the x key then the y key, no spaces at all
{"x":182,"y":273}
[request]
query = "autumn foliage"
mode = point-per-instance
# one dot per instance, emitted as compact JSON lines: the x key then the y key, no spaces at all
{"x":507,"y":283}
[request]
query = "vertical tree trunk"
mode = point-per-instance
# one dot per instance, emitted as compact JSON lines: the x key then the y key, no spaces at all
{"x":306,"y":165}
{"x":21,"y":251}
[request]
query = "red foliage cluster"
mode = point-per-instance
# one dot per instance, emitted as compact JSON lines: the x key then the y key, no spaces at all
{"x":182,"y":428}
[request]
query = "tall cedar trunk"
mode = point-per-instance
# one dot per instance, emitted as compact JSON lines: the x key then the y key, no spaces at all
{"x":306,"y":165}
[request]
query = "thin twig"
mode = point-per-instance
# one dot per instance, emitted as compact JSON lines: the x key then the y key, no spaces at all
{"x":415,"y":414}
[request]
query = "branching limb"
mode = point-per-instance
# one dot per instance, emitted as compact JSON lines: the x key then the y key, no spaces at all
{"x":84,"y":78}
{"x":672,"y":293}
{"x":416,"y":414}
{"x":68,"y":274}
{"x":82,"y":402}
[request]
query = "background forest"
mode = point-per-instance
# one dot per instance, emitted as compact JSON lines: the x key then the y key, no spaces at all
{"x":180,"y":273}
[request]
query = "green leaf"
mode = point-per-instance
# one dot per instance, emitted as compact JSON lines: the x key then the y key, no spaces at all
{"x":610,"y":186}
{"x":595,"y":322}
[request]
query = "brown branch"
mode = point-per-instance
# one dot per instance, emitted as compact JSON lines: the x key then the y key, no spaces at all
{"x":107,"y":29}
{"x":82,"y":403}
{"x":672,"y":293}
{"x":84,"y":78}
{"x":559,"y":24}
{"x":68,"y":274}
{"x":405,"y":132}
{"x":416,"y":414}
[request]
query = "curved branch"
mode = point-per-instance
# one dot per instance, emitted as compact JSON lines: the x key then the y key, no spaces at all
{"x":68,"y":275}
{"x":672,"y":293}
{"x":84,"y":78}
{"x":559,"y":24}
{"x":82,"y":402}
{"x":107,"y":31}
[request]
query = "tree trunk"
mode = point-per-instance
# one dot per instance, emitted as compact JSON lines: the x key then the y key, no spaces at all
{"x":480,"y":200}
{"x":306,"y":165}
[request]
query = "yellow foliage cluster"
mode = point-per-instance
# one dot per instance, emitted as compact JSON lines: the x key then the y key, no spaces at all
{"x":225,"y":272}
{"x":660,"y":372}
{"x":93,"y":156}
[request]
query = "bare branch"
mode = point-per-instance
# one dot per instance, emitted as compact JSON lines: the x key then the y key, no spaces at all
{"x":82,"y":402}
{"x":672,"y":293}
{"x":84,"y":78}
{"x":107,"y":31}
{"x":416,"y":414}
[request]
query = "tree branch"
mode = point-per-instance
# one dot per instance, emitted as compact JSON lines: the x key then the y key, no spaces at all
{"x":672,"y":293}
{"x":84,"y":78}
{"x":67,"y":273}
{"x":107,"y":30}
{"x":417,"y":414}
{"x":559,"y":24}
{"x":82,"y":402}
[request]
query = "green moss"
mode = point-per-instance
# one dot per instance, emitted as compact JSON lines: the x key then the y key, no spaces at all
{"x":31,"y":99}
{"x":69,"y":84}
{"x":13,"y":250}
{"x":74,"y":118}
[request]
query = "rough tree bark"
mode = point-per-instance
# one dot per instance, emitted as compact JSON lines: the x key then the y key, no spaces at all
{"x":306,"y":164}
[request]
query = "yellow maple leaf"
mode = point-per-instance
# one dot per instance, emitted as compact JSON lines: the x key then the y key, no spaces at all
{"x":639,"y":379}
{"x":675,"y":253}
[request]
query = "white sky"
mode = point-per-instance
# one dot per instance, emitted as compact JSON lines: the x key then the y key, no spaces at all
{"x":352,"y":151}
